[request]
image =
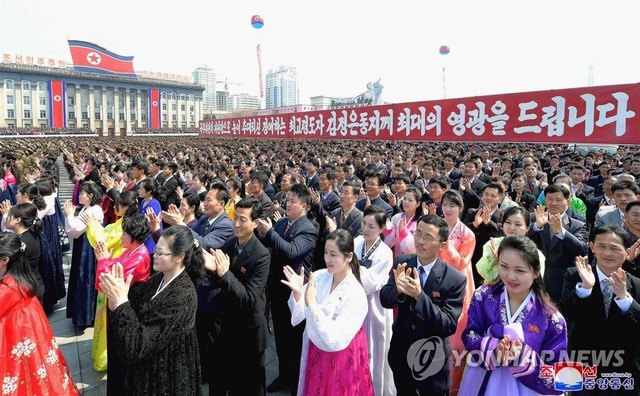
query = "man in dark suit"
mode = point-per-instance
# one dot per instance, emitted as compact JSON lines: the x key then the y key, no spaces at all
{"x":328,"y":198}
{"x":560,"y":234}
{"x":602,"y":303}
{"x":292,"y":240}
{"x":428,"y":294}
{"x":168,"y":187}
{"x":579,"y":188}
{"x":373,"y":187}
{"x":241,"y":269}
{"x":258,"y":180}
{"x":312,"y":179}
{"x":450,"y":171}
{"x":605,"y":199}
{"x":347,"y":217}
{"x":485,"y":223}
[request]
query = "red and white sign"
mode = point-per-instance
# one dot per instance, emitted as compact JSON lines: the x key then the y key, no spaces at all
{"x":154,"y":108}
{"x":602,"y":114}
{"x":56,"y":104}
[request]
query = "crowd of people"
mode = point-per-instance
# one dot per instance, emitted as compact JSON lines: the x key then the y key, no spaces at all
{"x":395,"y":268}
{"x":43,"y":131}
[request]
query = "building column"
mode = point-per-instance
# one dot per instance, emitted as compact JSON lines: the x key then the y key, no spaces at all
{"x":116,"y":112}
{"x":78,"y":107}
{"x":127,"y":114}
{"x":139,"y":123}
{"x":91,"y":110}
{"x":103,"y":111}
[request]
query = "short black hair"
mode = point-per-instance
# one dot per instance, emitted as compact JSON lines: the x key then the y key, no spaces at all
{"x":250,"y":203}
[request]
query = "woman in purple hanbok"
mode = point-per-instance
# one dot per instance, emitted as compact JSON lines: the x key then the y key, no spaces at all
{"x":513,"y":328}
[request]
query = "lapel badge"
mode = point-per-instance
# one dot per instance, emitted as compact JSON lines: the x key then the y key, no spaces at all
{"x":243,"y":270}
{"x":435,"y":294}
{"x":534,"y":328}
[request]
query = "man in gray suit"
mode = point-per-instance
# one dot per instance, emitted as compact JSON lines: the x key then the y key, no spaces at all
{"x":623,"y":193}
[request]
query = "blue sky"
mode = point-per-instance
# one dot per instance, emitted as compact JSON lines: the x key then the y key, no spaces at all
{"x":338,"y":46}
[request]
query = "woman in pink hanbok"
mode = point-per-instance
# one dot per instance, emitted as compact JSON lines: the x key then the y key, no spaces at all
{"x":399,"y":236}
{"x":334,"y":346}
{"x":458,"y":253}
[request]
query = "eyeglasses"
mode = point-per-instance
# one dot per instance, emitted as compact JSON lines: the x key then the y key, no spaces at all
{"x":425,"y":237}
{"x":162,"y":254}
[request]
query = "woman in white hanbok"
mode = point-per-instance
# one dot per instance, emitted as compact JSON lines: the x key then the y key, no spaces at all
{"x":376,"y":261}
{"x":334,"y":345}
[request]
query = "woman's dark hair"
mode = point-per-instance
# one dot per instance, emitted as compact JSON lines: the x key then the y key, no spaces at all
{"x":130,"y":200}
{"x":137,"y":227}
{"x":193,"y":200}
{"x":528,"y":250}
{"x":344,"y":242}
{"x":18,"y":265}
{"x":32,"y":191}
{"x":417,"y":195}
{"x":93,"y":190}
{"x":517,"y":210}
{"x":45,"y":186}
{"x":52,"y":178}
{"x":204,"y":178}
{"x":237,"y":185}
{"x":150,"y":185}
{"x":454,"y":197}
{"x":379,"y":215}
{"x":28,"y":215}
{"x":13,"y":167}
{"x":180,"y":240}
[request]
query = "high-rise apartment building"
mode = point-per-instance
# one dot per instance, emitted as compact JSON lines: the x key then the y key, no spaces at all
{"x":243,"y":102}
{"x":205,"y":76}
{"x":282,"y":87}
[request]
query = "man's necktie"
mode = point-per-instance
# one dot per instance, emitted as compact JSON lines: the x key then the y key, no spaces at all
{"x":206,"y":228}
{"x":607,"y":295}
{"x":287,"y":228}
{"x":531,"y":187}
{"x":423,"y":275}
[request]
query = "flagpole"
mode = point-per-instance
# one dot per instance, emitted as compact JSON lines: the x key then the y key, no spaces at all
{"x":444,"y":83}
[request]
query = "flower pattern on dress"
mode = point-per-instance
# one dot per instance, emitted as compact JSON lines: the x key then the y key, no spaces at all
{"x":557,"y":324}
{"x":24,"y":347}
{"x":52,"y":357}
{"x":473,"y":336}
{"x":9,"y":385}
{"x":42,"y":372}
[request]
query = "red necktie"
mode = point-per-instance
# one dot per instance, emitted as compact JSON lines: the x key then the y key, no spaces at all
{"x":287,"y":228}
{"x":531,"y":187}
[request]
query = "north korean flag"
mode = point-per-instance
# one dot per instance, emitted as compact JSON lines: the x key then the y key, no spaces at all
{"x":154,"y":108}
{"x":88,"y":57}
{"x":57,"y":104}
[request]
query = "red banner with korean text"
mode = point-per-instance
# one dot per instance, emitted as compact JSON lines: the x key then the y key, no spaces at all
{"x":57,"y":104}
{"x":154,"y":108}
{"x":600,"y":114}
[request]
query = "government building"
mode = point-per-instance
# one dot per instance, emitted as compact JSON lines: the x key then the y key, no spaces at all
{"x":51,"y":96}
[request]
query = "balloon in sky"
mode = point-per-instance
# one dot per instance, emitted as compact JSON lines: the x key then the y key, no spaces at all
{"x":444,"y":50}
{"x":257,"y":21}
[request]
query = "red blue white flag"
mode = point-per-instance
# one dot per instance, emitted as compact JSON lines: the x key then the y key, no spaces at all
{"x":88,"y":57}
{"x":154,"y":108}
{"x":57,"y":104}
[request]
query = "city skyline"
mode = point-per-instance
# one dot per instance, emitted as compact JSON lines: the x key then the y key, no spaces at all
{"x":337,"y":48}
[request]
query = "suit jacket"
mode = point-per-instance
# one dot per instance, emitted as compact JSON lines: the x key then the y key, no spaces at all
{"x":483,"y":233}
{"x":527,"y":200}
{"x":352,"y":223}
{"x":313,"y":182}
{"x":168,"y":193}
{"x":560,"y":254}
{"x":244,"y":287}
{"x":293,"y":248}
{"x":611,"y":217}
{"x":331,"y":202}
{"x":360,"y":204}
{"x":593,"y":205}
{"x":434,"y":314}
{"x":476,"y":185}
{"x":454,"y":174}
{"x":217,"y":233}
{"x":592,"y":330}
{"x":267,"y":205}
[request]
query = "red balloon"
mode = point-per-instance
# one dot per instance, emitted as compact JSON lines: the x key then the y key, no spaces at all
{"x":444,"y":50}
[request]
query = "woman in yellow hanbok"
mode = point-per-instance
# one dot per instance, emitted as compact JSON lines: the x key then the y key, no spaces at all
{"x":126,"y":204}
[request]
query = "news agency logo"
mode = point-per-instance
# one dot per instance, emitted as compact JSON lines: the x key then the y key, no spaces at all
{"x":574,"y":376}
{"x":426,"y":357}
